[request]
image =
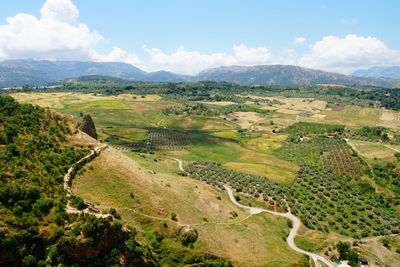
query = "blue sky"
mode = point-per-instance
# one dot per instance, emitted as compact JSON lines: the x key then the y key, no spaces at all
{"x":332,"y":35}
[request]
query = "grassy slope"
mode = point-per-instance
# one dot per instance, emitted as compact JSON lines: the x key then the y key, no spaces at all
{"x":252,"y":242}
{"x":353,"y":116}
{"x":372,"y":150}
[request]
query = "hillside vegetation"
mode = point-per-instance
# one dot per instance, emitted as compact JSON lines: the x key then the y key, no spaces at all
{"x":35,"y":229}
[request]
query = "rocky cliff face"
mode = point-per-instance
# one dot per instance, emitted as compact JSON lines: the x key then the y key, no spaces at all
{"x":87,"y":126}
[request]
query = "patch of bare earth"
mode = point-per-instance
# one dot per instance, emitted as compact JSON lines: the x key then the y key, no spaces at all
{"x":245,"y":119}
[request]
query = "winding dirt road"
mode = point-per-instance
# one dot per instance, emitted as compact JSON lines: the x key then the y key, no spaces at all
{"x":293,"y":231}
{"x":180,"y":164}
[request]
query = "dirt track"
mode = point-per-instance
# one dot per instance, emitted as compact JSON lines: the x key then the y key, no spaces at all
{"x":290,"y":239}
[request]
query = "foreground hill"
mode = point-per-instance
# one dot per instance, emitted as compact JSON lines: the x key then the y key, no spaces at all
{"x":376,"y":72}
{"x":36,"y":229}
{"x":287,"y":75}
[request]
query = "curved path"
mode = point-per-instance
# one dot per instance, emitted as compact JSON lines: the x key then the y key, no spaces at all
{"x":70,"y":175}
{"x":180,"y":164}
{"x":293,"y":231}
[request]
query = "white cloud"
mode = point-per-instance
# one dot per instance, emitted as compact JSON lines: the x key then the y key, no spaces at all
{"x":299,"y":40}
{"x":116,"y":55}
{"x":349,"y":53}
{"x":55,"y":35}
{"x":191,"y":62}
{"x":60,"y":10}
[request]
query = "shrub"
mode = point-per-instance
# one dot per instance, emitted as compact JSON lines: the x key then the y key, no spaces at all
{"x":173,"y":216}
{"x":114,"y":213}
{"x":386,"y":242}
{"x":77,"y":202}
{"x":29,"y":260}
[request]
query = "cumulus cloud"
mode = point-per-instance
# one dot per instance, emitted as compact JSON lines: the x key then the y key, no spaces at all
{"x":117,"y":54}
{"x":299,"y":40}
{"x":349,"y":53}
{"x":191,"y":62}
{"x":60,"y":10}
{"x":331,"y":53}
{"x":55,"y":35}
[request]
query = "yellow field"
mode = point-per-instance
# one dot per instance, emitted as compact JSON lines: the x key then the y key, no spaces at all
{"x":297,"y":104}
{"x":245,"y":119}
{"x":267,"y":142}
{"x":101,"y":105}
{"x":390,"y":119}
{"x":353,"y":116}
{"x":279,"y":175}
{"x":226,"y":134}
{"x":60,"y":100}
{"x":145,"y":97}
{"x":219,"y":103}
{"x":373,"y":150}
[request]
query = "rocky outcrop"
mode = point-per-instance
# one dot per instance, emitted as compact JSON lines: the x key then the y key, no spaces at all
{"x":188,"y":235}
{"x":87,"y":126}
{"x":110,"y":237}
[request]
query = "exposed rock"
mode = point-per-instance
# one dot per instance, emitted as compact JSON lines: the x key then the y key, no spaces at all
{"x":188,"y":234}
{"x":88,"y":126}
{"x":80,"y":251}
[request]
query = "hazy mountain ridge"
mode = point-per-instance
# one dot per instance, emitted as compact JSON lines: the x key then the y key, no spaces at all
{"x":376,"y":72}
{"x":32,"y":72}
{"x":288,"y":75}
{"x":165,"y":76}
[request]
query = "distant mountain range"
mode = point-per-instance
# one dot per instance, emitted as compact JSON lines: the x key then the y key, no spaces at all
{"x":33,"y":72}
{"x":288,"y":75}
{"x":36,"y":72}
{"x":376,"y":72}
